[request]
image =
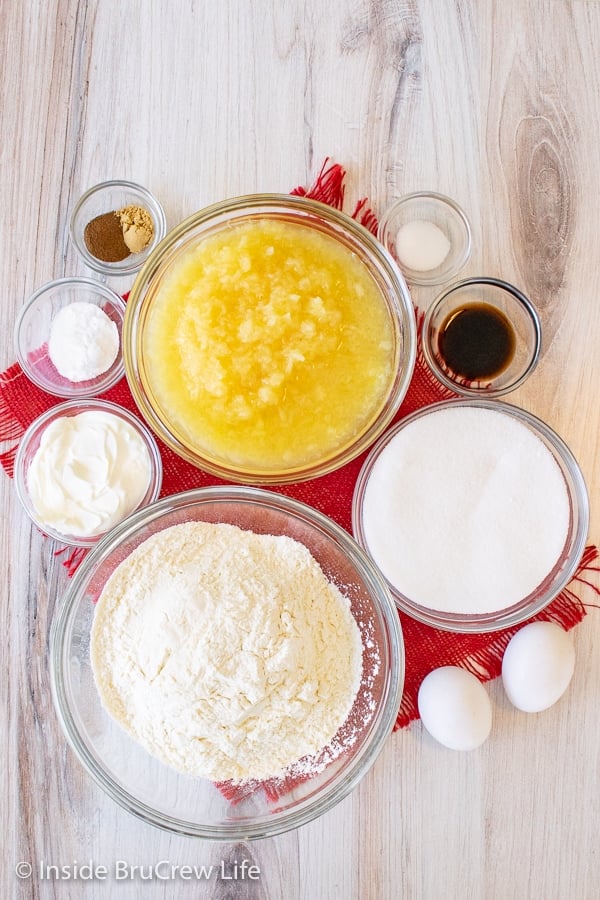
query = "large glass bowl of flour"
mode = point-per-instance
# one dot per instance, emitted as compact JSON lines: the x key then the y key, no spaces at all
{"x":475,"y":511}
{"x":162,"y":794}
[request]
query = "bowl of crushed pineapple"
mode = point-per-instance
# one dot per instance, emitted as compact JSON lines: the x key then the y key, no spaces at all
{"x":269,"y":339}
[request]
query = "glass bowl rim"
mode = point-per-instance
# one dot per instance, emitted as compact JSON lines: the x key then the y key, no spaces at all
{"x":400,"y":307}
{"x":528,"y":308}
{"x":73,"y":406}
{"x":73,"y":281}
{"x":158,"y":217}
{"x":394,"y":647}
{"x":578,"y":498}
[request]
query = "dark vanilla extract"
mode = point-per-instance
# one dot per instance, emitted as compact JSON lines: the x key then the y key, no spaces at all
{"x":477,"y":341}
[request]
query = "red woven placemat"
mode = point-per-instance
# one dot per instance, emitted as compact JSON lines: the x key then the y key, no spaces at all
{"x":426,"y":648}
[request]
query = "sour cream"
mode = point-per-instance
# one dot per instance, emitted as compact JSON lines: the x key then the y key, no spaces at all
{"x":89,"y":472}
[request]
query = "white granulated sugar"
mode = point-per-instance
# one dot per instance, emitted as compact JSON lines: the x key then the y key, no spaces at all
{"x":466,"y":511}
{"x":83,"y":341}
{"x":227,"y":654}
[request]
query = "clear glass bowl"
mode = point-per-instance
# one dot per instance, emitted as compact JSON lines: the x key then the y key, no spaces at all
{"x":194,"y":806}
{"x":501,"y":298}
{"x":110,"y":196}
{"x":30,"y":443}
{"x":556,"y":579}
{"x":306,"y":214}
{"x":32,"y":331}
{"x":405,"y":229}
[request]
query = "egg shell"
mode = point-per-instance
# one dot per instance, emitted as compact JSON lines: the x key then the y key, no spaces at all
{"x":537,"y":666}
{"x":455,"y":708}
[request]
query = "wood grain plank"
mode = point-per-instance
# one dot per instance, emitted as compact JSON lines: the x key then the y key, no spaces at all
{"x":495,"y":104}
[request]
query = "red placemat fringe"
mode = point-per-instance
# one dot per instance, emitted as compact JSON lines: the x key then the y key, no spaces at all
{"x":328,"y":186}
{"x":11,"y":430}
{"x":426,"y":648}
{"x":365,"y":216}
{"x":444,"y":392}
{"x":73,"y":559}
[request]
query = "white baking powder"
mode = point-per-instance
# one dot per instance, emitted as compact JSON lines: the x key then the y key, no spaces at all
{"x":226,"y":654}
{"x":466,"y":511}
{"x":83,"y":341}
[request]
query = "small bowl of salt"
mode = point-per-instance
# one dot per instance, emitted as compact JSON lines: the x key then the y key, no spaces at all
{"x":429,"y":236}
{"x":68,"y":338}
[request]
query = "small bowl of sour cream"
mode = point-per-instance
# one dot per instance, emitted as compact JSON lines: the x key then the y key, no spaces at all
{"x":68,"y":337}
{"x":429,"y":236}
{"x":83,"y":466}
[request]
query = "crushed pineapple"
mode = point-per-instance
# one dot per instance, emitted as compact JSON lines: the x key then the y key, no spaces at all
{"x":268,"y":346}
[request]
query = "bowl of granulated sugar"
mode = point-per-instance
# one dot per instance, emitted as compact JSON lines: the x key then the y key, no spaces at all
{"x":475,"y":511}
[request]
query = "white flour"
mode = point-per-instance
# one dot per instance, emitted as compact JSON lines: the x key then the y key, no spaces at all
{"x":225,"y":653}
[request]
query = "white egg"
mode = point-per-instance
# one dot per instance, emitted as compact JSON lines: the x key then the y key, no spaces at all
{"x":537,"y":666}
{"x":455,"y":708}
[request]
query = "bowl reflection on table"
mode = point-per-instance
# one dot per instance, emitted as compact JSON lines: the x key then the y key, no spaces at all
{"x":195,"y":806}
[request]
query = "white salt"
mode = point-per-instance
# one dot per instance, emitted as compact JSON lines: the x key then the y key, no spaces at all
{"x":421,"y":245}
{"x":466,"y":511}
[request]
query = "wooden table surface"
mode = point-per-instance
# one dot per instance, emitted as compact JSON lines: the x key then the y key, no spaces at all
{"x":494,"y":102}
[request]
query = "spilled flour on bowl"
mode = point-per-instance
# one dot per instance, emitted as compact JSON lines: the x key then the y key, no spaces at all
{"x":227,"y":654}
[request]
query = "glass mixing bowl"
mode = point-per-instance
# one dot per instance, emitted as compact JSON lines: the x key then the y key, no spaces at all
{"x":34,"y":327}
{"x":150,"y":377}
{"x":107,"y":197}
{"x":495,"y":298}
{"x":194,"y":806}
{"x":451,"y":521}
{"x":30,"y":444}
{"x":404,"y":230}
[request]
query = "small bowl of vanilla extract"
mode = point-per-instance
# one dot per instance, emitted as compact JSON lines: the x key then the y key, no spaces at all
{"x":482,"y":336}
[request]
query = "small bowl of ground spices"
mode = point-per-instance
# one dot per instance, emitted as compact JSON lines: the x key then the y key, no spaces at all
{"x":68,"y":337}
{"x":116,"y":225}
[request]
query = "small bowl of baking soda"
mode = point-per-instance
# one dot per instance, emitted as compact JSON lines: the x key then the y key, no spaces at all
{"x":68,"y":338}
{"x":116,"y":225}
{"x":429,"y":236}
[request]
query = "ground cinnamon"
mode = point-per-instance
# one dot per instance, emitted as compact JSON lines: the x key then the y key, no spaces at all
{"x":104,"y":239}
